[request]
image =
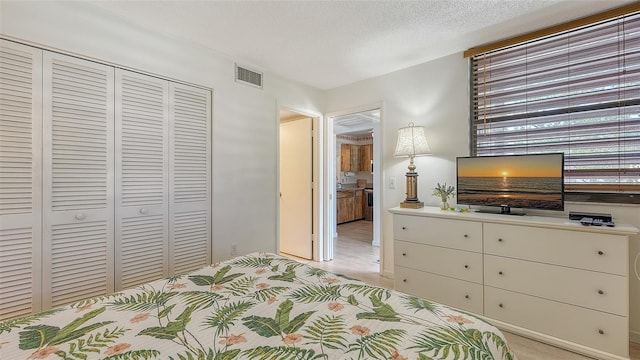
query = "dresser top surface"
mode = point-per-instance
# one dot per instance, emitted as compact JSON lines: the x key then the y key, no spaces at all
{"x":526,"y":220}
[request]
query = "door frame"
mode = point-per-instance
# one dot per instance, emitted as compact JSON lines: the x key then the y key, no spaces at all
{"x":324,"y":189}
{"x":329,"y":203}
{"x":317,"y":188}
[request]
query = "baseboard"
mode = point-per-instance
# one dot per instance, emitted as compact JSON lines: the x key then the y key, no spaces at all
{"x":634,"y":336}
{"x":387,"y":274}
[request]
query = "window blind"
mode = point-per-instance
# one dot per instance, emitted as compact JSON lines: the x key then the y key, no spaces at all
{"x":576,"y":92}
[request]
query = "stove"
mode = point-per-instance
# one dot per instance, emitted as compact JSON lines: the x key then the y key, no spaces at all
{"x":368,"y":209}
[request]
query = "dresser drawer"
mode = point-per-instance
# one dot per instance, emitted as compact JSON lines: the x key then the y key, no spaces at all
{"x":594,"y":290}
{"x":605,"y":332}
{"x":455,"y":234}
{"x":459,"y":264}
{"x":583,"y":250}
{"x":445,"y":290}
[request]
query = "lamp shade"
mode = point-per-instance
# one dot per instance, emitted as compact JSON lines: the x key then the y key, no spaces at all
{"x":412,"y":141}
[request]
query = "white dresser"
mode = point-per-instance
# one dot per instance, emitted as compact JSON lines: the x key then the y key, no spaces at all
{"x":548,"y":278}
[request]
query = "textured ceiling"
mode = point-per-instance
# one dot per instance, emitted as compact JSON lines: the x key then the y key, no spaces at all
{"x":327,"y":44}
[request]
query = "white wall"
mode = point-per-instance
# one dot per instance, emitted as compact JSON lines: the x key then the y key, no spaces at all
{"x":436,"y":95}
{"x":433,"y":95}
{"x":245,"y":119}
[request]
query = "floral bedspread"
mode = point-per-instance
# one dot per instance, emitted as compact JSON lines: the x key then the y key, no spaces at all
{"x":258,"y":306}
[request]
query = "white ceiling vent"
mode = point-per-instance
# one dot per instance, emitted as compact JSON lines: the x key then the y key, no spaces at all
{"x":247,"y":76}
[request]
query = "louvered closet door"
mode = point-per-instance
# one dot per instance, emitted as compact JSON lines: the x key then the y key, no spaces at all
{"x":20,"y":178}
{"x":142,"y":181}
{"x":78,"y":179}
{"x":190,"y":179}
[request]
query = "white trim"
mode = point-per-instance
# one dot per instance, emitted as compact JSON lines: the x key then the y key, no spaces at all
{"x":328,"y":200}
{"x":329,"y":151}
{"x":389,"y":275}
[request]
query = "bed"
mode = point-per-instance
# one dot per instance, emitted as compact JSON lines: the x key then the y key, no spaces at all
{"x":256,"y":306}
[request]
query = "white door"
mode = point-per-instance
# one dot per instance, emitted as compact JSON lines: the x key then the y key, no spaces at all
{"x":20,"y":178}
{"x":78,"y":179}
{"x":190,"y":178}
{"x":142,"y":184}
{"x":296,"y":196}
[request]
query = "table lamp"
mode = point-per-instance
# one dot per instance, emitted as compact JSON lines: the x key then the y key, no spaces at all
{"x":412,"y":142}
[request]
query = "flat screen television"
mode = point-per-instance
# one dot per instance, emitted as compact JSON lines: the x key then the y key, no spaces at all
{"x":532,"y":181}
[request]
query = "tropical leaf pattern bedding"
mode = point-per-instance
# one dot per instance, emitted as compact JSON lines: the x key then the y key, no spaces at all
{"x":257,"y":306}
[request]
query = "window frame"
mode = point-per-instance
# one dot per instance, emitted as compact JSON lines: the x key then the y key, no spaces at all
{"x":607,"y":193}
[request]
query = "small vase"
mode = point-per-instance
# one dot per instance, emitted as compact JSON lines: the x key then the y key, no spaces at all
{"x":444,"y":205}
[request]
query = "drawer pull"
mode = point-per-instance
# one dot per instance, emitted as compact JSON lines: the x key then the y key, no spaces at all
{"x":600,"y":331}
{"x":500,"y":240}
{"x":500,"y":305}
{"x":404,"y":228}
{"x":404,"y":254}
{"x":465,"y":235}
{"x":600,"y":292}
{"x":600,"y":252}
{"x":466,"y":266}
{"x":499,"y":272}
{"x":404,"y":280}
{"x":466,"y":296}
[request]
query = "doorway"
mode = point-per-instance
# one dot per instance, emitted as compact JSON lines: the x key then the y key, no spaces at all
{"x":353,"y":157}
{"x":325,"y":178}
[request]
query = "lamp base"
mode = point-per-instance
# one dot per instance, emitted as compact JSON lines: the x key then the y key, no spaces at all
{"x":412,"y":205}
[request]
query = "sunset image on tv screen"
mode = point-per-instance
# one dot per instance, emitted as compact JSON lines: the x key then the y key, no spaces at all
{"x":522,"y":181}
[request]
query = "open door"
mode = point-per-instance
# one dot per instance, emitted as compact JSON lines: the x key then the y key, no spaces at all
{"x":296,"y":188}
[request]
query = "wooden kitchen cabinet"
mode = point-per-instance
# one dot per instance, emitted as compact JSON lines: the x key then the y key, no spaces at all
{"x":366,"y":155}
{"x":349,"y":157}
{"x":344,"y":206}
{"x":349,"y":205}
{"x":358,"y":205}
{"x":356,"y":157}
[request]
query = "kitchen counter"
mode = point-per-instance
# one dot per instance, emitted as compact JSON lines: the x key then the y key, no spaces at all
{"x":350,"y":189}
{"x":353,"y":187}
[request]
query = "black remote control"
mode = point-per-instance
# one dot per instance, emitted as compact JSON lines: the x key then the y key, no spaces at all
{"x":586,"y":221}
